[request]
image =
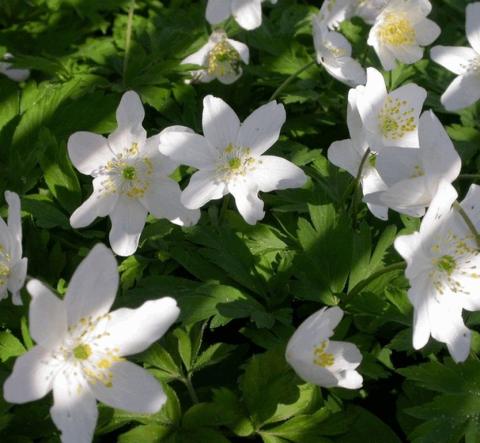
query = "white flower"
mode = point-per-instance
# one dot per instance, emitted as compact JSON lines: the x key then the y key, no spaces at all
{"x":401,"y":30}
{"x":389,"y":119}
{"x":13,"y":268}
{"x":413,"y":175}
{"x":443,"y":264}
{"x":247,"y":13}
{"x":321,"y":361}
{"x":130,"y":178}
{"x":348,"y":154}
{"x":463,"y":61}
{"x":80,"y":349}
{"x":334,"y":54}
{"x":17,"y":75}
{"x":220,"y":58}
{"x":229,"y":157}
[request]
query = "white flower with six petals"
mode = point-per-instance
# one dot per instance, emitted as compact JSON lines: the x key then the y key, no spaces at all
{"x":318,"y":360}
{"x":229,"y":157}
{"x":79,"y":354}
{"x":130,"y":178}
{"x":401,"y":30}
{"x":443,"y":267}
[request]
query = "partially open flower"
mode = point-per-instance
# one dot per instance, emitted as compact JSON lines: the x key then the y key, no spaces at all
{"x":319,"y":360}
{"x":221,"y":58}
{"x":15,"y":74}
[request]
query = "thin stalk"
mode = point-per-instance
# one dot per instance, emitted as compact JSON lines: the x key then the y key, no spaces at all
{"x":223,"y":209}
{"x":290,"y":79}
{"x":469,"y":177}
{"x":191,"y":390}
{"x":364,"y":283}
{"x":128,"y":39}
{"x":468,"y":222}
{"x":357,"y":181}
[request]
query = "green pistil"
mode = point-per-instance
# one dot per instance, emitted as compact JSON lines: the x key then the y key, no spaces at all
{"x":82,"y":352}
{"x":129,"y":173}
{"x":389,"y":125}
{"x":234,"y":163}
{"x":447,"y":263}
{"x":372,"y":160}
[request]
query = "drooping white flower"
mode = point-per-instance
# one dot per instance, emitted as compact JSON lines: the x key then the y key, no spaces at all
{"x":414,"y":175}
{"x":81,"y":347}
{"x":15,"y":74}
{"x":348,"y":154}
{"x":229,"y":157}
{"x":130,"y":178}
{"x":389,"y":119}
{"x":443,"y":267}
{"x":463,"y":61}
{"x":247,"y":13}
{"x":401,"y":30}
{"x":318,"y":360}
{"x":334,"y":53}
{"x":220,"y":59}
{"x":13,"y":268}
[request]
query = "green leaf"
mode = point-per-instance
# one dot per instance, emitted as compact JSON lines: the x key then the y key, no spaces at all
{"x":10,"y":346}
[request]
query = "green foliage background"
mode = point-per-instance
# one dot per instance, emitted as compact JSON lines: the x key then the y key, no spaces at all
{"x":242,"y":289}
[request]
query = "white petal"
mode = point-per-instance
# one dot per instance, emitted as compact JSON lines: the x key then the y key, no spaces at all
{"x":461,"y":93}
{"x":130,"y":112}
{"x":472,"y":27}
{"x":307,"y":370}
{"x":407,"y":246}
{"x":350,"y":380}
{"x":31,"y":377}
{"x":228,"y":79}
{"x":220,"y":123}
{"x":276,"y":173}
{"x":163,"y":201}
{"x":242,"y":50}
{"x":343,"y":154}
{"x":407,"y":54}
{"x":74,"y":411}
{"x":93,"y":286}
{"x":218,"y":11}
{"x":46,"y":307}
{"x":199,"y":57}
{"x":14,"y":218}
{"x":426,"y":32}
{"x":16,"y":279}
{"x":411,"y":194}
{"x":202,"y":188}
{"x":438,"y":154}
{"x":88,"y":151}
{"x":261,"y":128}
{"x":420,"y":295}
{"x":99,"y":204}
{"x":128,"y":219}
{"x":133,"y":389}
{"x":187,"y":149}
{"x":354,"y":121}
{"x":455,"y":59}
{"x":247,"y":201}
{"x":17,"y":75}
{"x":346,"y":355}
{"x":134,"y":330}
{"x":247,"y":13}
{"x":396,"y":164}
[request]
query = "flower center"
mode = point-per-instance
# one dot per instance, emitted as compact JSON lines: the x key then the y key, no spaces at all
{"x":322,"y":358}
{"x":396,"y":119}
{"x":223,"y":60}
{"x":417,"y":171}
{"x":455,"y":264}
{"x":473,"y":66}
{"x":4,"y":266}
{"x":372,"y":159}
{"x":235,"y":162}
{"x":128,"y":173}
{"x":396,"y":30}
{"x":82,"y":352}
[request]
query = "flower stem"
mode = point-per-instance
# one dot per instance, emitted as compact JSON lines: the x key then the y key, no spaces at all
{"x":191,"y":390}
{"x":223,"y":209}
{"x":364,"y":283}
{"x":128,"y":39}
{"x":468,"y":222}
{"x":469,"y":177}
{"x":354,"y":204}
{"x":290,"y":79}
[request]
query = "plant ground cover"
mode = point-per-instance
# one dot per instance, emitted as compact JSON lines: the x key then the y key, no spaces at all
{"x":242,"y":289}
